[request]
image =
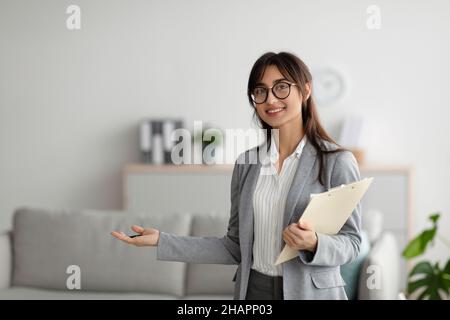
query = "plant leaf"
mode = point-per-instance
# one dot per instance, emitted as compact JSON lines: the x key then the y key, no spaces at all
{"x":418,"y":245}
{"x":445,"y":278}
{"x":443,"y":284}
{"x":447,"y":267}
{"x":422,"y":267}
{"x":434,"y":281}
{"x":435,"y":217}
{"x":423,"y":295}
{"x":413,"y":248}
{"x":434,"y":295}
{"x":413,"y":286}
{"x":428,"y":236}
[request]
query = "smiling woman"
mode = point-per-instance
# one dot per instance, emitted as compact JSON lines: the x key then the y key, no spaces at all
{"x":288,"y":103}
{"x":269,"y":196}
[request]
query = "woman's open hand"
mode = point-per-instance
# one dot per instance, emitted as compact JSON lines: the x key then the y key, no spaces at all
{"x":148,"y":236}
{"x":300,"y":236}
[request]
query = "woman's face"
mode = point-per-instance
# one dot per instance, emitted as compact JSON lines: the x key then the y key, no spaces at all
{"x":278,"y":112}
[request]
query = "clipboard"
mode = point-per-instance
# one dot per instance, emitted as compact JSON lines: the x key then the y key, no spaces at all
{"x":327,"y":212}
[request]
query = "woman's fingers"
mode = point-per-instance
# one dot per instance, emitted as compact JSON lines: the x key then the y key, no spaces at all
{"x":296,"y":231}
{"x":116,"y":234}
{"x":305,"y":225}
{"x":293,"y":237}
{"x":137,"y":229}
{"x":122,"y":236}
{"x":287,"y":237}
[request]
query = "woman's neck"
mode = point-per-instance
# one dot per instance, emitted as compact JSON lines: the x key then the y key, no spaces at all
{"x":289,"y":137}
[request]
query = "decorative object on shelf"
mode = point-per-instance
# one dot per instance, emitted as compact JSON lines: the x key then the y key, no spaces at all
{"x":156,"y":141}
{"x":211,"y":139}
{"x":351,"y":137}
{"x":431,"y":280}
{"x":329,"y":86}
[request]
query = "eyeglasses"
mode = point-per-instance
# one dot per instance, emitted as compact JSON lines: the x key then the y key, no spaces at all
{"x":281,"y":90}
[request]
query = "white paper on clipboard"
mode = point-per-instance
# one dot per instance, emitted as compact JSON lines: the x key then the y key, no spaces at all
{"x":327,"y":212}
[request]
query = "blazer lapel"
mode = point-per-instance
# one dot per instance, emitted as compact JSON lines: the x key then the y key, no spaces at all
{"x":306,"y":163}
{"x":246,"y":211}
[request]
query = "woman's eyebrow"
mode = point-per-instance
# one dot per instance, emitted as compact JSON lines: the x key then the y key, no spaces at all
{"x":274,"y":81}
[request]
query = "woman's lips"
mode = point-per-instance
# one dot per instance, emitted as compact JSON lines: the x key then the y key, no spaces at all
{"x":275,"y":111}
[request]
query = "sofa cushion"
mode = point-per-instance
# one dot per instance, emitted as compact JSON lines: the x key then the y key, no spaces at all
{"x":47,"y":242}
{"x":380,"y":276}
{"x":350,"y":271}
{"x":5,"y":260}
{"x":26,"y":293}
{"x":210,"y":278}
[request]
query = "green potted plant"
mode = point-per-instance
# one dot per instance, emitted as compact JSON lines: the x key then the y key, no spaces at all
{"x":427,"y":280}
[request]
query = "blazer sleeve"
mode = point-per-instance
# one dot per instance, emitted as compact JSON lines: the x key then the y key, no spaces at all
{"x":213,"y":250}
{"x":342,"y":248}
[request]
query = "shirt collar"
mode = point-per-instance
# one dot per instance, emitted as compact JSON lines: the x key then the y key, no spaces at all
{"x":274,"y":154}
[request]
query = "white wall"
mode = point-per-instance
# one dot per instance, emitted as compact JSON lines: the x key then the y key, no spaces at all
{"x":70,"y":101}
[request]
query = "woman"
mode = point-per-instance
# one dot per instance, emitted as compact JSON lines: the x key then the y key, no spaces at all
{"x":268,"y":197}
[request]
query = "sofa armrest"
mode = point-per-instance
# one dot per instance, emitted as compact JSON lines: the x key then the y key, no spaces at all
{"x":380,"y":274}
{"x":5,"y":259}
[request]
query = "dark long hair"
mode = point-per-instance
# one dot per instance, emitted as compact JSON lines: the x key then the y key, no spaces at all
{"x":295,"y":70}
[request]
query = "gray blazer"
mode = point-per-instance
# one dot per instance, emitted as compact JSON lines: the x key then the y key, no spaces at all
{"x":310,"y":276}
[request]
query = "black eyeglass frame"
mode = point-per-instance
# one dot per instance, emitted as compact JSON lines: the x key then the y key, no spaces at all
{"x":273,"y":92}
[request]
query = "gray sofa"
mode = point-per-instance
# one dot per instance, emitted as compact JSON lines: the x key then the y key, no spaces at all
{"x":48,"y":251}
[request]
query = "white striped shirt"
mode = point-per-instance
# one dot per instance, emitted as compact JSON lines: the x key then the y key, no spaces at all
{"x":269,"y":201}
